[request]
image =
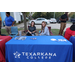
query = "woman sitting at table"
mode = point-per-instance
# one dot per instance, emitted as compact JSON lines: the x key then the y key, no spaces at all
{"x":45,"y":30}
{"x":31,"y":29}
{"x":70,"y":31}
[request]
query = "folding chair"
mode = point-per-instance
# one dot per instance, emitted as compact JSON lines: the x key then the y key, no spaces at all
{"x":14,"y":32}
{"x":50,"y":30}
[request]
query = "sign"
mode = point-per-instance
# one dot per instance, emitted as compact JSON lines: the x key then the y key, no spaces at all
{"x":35,"y":55}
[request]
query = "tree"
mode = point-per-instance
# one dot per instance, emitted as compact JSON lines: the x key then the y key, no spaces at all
{"x":58,"y":14}
{"x":25,"y":25}
{"x":36,"y":15}
{"x":47,"y":15}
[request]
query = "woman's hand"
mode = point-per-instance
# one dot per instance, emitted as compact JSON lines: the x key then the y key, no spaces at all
{"x":33,"y":31}
{"x":30,"y":32}
{"x":40,"y":34}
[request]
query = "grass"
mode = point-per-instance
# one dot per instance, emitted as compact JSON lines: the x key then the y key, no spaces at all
{"x":54,"y":31}
{"x":3,"y":31}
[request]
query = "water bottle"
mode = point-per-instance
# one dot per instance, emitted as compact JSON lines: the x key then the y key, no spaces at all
{"x":19,"y":33}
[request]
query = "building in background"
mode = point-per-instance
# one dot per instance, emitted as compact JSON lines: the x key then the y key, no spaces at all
{"x":3,"y":15}
{"x":18,"y":16}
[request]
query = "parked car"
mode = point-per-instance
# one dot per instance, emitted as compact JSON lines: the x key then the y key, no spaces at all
{"x":58,"y":20}
{"x":53,"y":20}
{"x":72,"y":19}
{"x":39,"y":21}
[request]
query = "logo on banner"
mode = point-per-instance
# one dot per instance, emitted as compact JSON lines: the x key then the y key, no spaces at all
{"x":33,"y":55}
{"x":17,"y":54}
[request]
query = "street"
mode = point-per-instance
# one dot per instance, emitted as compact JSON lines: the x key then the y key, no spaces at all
{"x":57,"y":25}
{"x":53,"y":26}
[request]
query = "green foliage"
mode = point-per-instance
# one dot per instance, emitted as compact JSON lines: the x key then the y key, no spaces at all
{"x":73,"y":16}
{"x":27,"y":13}
{"x":58,"y":14}
{"x":71,"y":13}
{"x":47,"y":15}
{"x":36,"y":15}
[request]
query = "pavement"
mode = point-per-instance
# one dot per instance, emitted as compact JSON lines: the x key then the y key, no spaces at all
{"x":53,"y":26}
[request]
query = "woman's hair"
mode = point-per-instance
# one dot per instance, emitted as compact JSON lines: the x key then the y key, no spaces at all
{"x":44,"y":26}
{"x":31,"y":23}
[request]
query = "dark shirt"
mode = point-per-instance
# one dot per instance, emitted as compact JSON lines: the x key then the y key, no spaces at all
{"x":31,"y":29}
{"x":64,"y":17}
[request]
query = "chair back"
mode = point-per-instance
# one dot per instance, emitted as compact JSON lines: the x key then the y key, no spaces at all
{"x":50,"y":30}
{"x":14,"y":30}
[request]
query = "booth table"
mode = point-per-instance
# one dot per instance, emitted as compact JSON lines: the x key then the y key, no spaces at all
{"x":41,"y":49}
{"x":72,"y":40}
{"x":3,"y":40}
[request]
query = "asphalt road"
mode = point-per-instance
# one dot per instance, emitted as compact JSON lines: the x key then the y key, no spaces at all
{"x":53,"y":26}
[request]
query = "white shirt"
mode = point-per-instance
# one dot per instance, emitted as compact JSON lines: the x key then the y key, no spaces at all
{"x":46,"y":31}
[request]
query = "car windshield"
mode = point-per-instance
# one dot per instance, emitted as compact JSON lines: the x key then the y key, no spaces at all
{"x":52,"y":19}
{"x":40,"y":19}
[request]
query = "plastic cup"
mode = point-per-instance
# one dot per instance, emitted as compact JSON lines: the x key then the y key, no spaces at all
{"x":19,"y":33}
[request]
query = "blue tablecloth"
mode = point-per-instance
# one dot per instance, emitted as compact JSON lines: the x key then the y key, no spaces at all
{"x":40,"y":50}
{"x":72,"y":40}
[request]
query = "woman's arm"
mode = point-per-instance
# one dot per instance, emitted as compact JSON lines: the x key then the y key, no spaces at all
{"x":45,"y":30}
{"x":34,"y":30}
{"x":29,"y":32}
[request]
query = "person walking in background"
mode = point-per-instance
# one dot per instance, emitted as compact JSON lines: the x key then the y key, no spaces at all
{"x":0,"y":25}
{"x":63,"y":20}
{"x":45,"y":30}
{"x":9,"y":21}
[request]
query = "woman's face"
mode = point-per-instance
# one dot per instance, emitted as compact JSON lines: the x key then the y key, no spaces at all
{"x":32,"y":23}
{"x":43,"y":24}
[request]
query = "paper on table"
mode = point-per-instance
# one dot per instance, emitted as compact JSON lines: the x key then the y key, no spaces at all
{"x":59,"y":40}
{"x":20,"y":38}
{"x":62,"y":40}
{"x":53,"y":39}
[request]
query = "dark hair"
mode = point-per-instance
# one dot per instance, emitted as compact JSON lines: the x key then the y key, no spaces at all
{"x":34,"y":23}
{"x":8,"y":13}
{"x":73,"y":23}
